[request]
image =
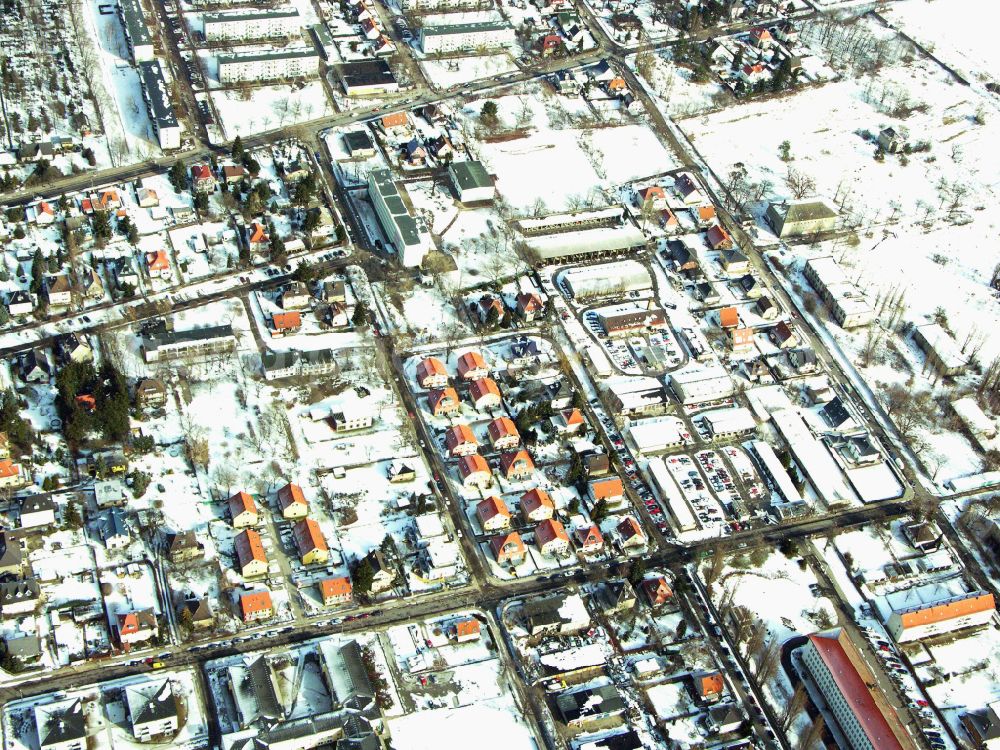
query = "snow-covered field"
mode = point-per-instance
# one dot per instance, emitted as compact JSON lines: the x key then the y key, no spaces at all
{"x":455,"y":72}
{"x":270,"y":107}
{"x":423,"y":730}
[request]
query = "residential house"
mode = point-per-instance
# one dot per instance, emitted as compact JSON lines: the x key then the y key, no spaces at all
{"x":61,"y":725}
{"x":292,"y":502}
{"x":653,"y":197}
{"x":256,"y":606}
{"x":199,"y":612}
{"x":251,"y":558}
{"x":71,"y":347}
{"x":890,"y":141}
{"x":784,"y":336}
{"x":485,"y":394}
{"x":753,"y":73}
{"x":474,"y":471}
{"x":599,"y":706}
{"x":508,"y":548}
{"x":431,"y":373}
{"x":750,"y":286}
{"x":296,"y":296}
{"x":490,"y":307}
{"x":152,"y":710}
{"x":383,"y":574}
{"x":123,"y":273}
{"x":705,"y":215}
{"x":19,"y":597}
{"x":150,"y":393}
{"x":114,"y":530}
{"x":568,"y":421}
{"x":589,"y":539}
{"x":233,"y":173}
{"x":766,"y":309}
{"x":334,"y":591}
{"x":401,"y":471}
{"x":551,"y":538}
{"x":257,"y":239}
{"x":394,"y":121}
{"x":657,"y":591}
{"x":689,"y":190}
{"x":608,"y":490}
{"x":465,"y":630}
{"x":461,"y":441}
{"x":517,"y":466}
{"x":503,"y":434}
{"x":729,"y":317}
{"x":443,"y":402}
{"x":596,"y":465}
{"x":615,"y":596}
{"x":12,"y":475}
{"x":58,"y":290}
{"x":243,"y":510}
{"x":529,"y":306}
{"x":536,"y":505}
{"x":11,"y":557}
{"x":472,"y":366}
{"x":761,"y":38}
{"x":158,"y":265}
{"x":183,"y":546}
{"x":136,"y":626}
{"x":734,"y":262}
{"x":310,"y":542}
{"x":37,"y":511}
{"x":147,"y":198}
{"x":718,"y":238}
{"x":19,"y":304}
{"x":630,"y":533}
{"x":683,"y":256}
{"x":708,"y":686}
{"x":202,"y":180}
{"x":26,"y":649}
{"x":525,"y":352}
{"x":45,"y":213}
{"x":493,"y":514}
{"x":285,"y":323}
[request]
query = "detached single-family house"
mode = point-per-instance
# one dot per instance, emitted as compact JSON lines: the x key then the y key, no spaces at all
{"x":12,"y":475}
{"x":734,"y":262}
{"x":472,"y":366}
{"x":493,"y":513}
{"x":517,"y":466}
{"x":243,"y":510}
{"x":19,"y":303}
{"x":147,"y":198}
{"x":136,"y":626}
{"x":785,"y":336}
{"x":285,"y":323}
{"x":257,"y":239}
{"x":292,"y":502}
{"x":431,"y":373}
{"x":607,"y":489}
{"x":199,"y":611}
{"x":158,"y":265}
{"x":688,"y":190}
{"x":334,"y":591}
{"x":568,"y":421}
{"x":310,"y":542}
{"x":503,"y":434}
{"x":890,"y":141}
{"x":383,"y":574}
{"x":551,"y":538}
{"x":657,"y":591}
{"x":256,"y":606}
{"x":536,"y":505}
{"x":37,"y":511}
{"x":465,"y":630}
{"x":631,"y":533}
{"x":233,"y":173}
{"x":45,"y":213}
{"x":58,"y":290}
{"x":150,"y":393}
{"x":296,"y":296}
{"x":718,"y":238}
{"x":251,"y":558}
{"x":202,"y":180}
{"x":474,"y":471}
{"x":508,"y":548}
{"x":529,"y":306}
{"x":589,"y":539}
{"x":484,"y":394}
{"x":443,"y":401}
{"x":184,"y":545}
{"x":461,"y":441}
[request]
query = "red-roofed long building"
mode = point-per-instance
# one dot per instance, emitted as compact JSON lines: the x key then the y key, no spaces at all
{"x":850,"y":690}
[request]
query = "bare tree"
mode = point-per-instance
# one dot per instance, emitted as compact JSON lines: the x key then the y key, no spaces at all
{"x":799,"y":183}
{"x":798,"y":702}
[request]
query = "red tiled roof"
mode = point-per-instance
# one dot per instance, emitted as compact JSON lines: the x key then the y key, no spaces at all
{"x":394,"y":120}
{"x":459,"y":434}
{"x":249,"y":547}
{"x":508,"y":460}
{"x":330,"y":588}
{"x":534,"y":499}
{"x":590,"y":536}
{"x":548,"y":531}
{"x":490,"y":507}
{"x":948,"y":611}
{"x":468,"y":465}
{"x":729,"y":317}
{"x":483,"y":387}
{"x":308,"y":536}
{"x":608,"y":487}
{"x":855,"y":691}
{"x":259,"y":601}
{"x":465,"y":628}
{"x":242,"y":502}
{"x":286,"y":321}
{"x":470,"y":361}
{"x":291,"y":494}
{"x":437,"y":396}
{"x":157,"y":261}
{"x":501,"y":427}
{"x":430,"y":366}
{"x":529,"y":302}
{"x":629,"y":527}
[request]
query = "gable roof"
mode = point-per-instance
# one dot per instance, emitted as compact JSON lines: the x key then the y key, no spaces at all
{"x":491,"y":507}
{"x":308,"y":536}
{"x":291,"y":494}
{"x":335,"y":587}
{"x":459,"y":434}
{"x":157,"y":261}
{"x":729,"y":317}
{"x":589,"y":536}
{"x":431,"y":366}
{"x":502,"y":427}
{"x":497,"y":543}
{"x":467,"y":627}
{"x":258,"y":601}
{"x":607,"y":487}
{"x":536,"y":498}
{"x":468,"y":465}
{"x":550,"y":530}
{"x":242,"y":502}
{"x":471,"y":361}
{"x":628,"y":527}
{"x":439,"y":395}
{"x":286,"y":321}
{"x":509,"y":460}
{"x":249,"y":547}
{"x":484,"y":387}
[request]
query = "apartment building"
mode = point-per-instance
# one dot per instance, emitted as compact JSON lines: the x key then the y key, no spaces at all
{"x":239,"y":25}
{"x":158,"y":107}
{"x":396,"y":220}
{"x":137,"y":34}
{"x":847,"y":303}
{"x":271,"y":65}
{"x":466,"y":36}
{"x":161,"y":345}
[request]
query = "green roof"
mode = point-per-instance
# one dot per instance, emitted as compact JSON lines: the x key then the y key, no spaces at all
{"x":470,"y":174}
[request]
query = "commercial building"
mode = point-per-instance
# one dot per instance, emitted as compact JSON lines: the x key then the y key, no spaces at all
{"x":797,"y":218}
{"x":471,"y":182}
{"x":161,"y":345}
{"x":943,"y":354}
{"x":670,"y":495}
{"x":925,"y":611}
{"x":158,"y":106}
{"x":367,"y":78}
{"x":844,"y":683}
{"x":395,"y":219}
{"x":466,"y":36}
{"x":270,"y":65}
{"x":656,"y":435}
{"x":629,"y":317}
{"x":726,"y":422}
{"x":845,"y":301}
{"x":240,"y":24}
{"x":771,"y":467}
{"x":606,"y":279}
{"x":694,"y":386}
{"x":137,"y":34}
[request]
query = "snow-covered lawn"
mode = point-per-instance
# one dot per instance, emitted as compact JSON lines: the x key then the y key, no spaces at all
{"x":457,"y":71}
{"x":423,"y":730}
{"x":270,"y":107}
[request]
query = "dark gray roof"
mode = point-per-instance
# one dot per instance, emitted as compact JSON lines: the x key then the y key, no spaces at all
{"x":596,"y":702}
{"x":14,"y":592}
{"x":366,"y":73}
{"x":61,"y":724}
{"x":244,"y":15}
{"x":808,"y":211}
{"x":355,"y":674}
{"x":358,"y":140}
{"x":130,"y":12}
{"x":154,"y":91}
{"x":383,"y":183}
{"x":10,"y":552}
{"x":162,"y":337}
{"x":151,"y":702}
{"x":288,"y":53}
{"x":24,"y":647}
{"x":263,"y":689}
{"x":37,"y":504}
{"x":463,"y":28}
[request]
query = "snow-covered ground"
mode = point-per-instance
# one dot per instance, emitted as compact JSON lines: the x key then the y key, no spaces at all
{"x":270,"y":107}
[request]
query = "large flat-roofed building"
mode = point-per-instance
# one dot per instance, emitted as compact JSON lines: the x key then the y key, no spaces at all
{"x":605,"y":279}
{"x":694,"y":386}
{"x":629,"y":317}
{"x":395,"y":219}
{"x":466,"y":36}
{"x":845,"y":301}
{"x":271,"y":65}
{"x":864,"y":716}
{"x":925,"y":611}
{"x":471,"y":182}
{"x":796,"y":218}
{"x":367,"y":77}
{"x":137,"y":34}
{"x":158,"y":106}
{"x":161,"y":345}
{"x":243,"y":24}
{"x":942,"y":352}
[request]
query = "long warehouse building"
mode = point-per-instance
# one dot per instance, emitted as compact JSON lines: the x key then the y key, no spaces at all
{"x":670,"y":495}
